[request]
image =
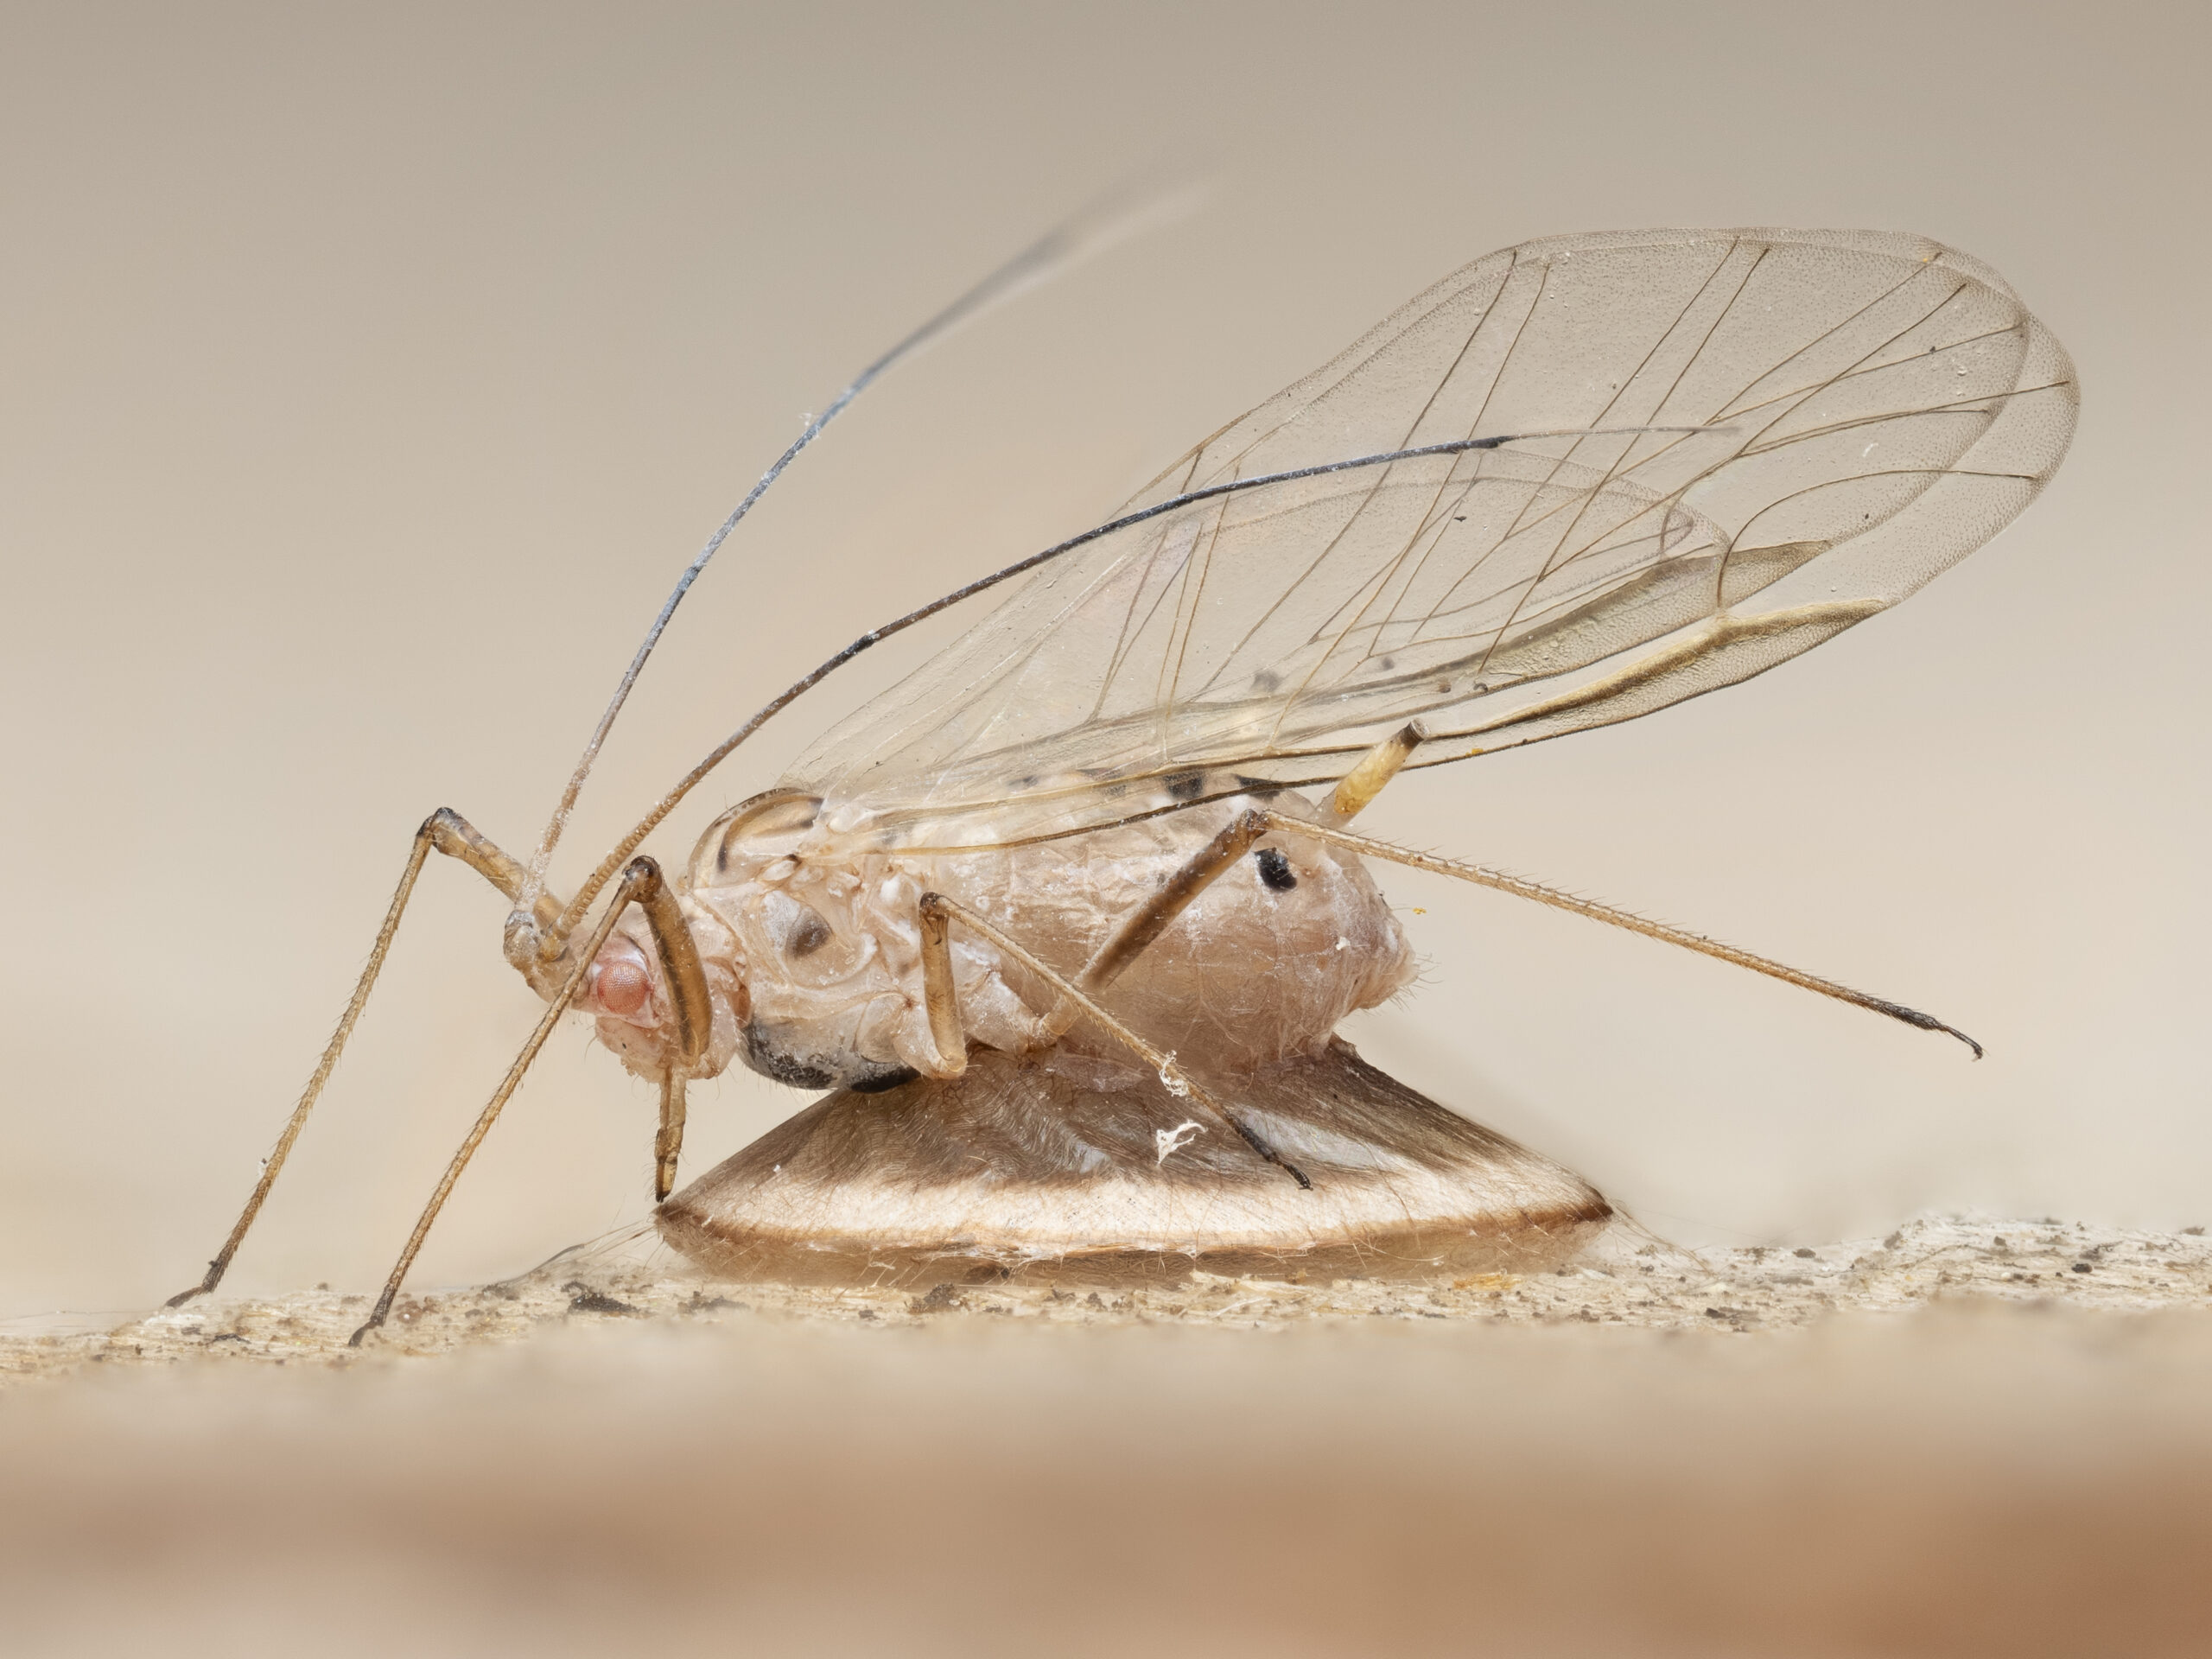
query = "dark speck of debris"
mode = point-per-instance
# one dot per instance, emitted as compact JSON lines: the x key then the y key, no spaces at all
{"x":867,"y":1313}
{"x":1092,"y":1300}
{"x":1893,"y":1241}
{"x":1803,"y":1254}
{"x":2192,"y":1232}
{"x":226,"y":1336}
{"x":582,"y":1299}
{"x":1274,"y":870}
{"x":940,"y":1298}
{"x":2082,"y":1267}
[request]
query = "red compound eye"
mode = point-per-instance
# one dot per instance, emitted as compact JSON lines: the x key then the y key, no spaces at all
{"x":621,"y":985}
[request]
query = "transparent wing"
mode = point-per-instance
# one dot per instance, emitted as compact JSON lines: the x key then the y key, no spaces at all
{"x":1864,"y":409}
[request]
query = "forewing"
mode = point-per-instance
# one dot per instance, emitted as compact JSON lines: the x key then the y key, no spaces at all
{"x":1799,"y":428}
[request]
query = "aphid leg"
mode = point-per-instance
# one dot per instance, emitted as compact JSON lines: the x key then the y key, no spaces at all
{"x":668,"y":1140}
{"x":686,"y":978}
{"x":939,"y":998}
{"x":447,"y":832}
{"x":936,"y":905}
{"x":1357,"y":790}
{"x":641,"y":876}
{"x":1597,"y":912}
{"x":455,"y":837}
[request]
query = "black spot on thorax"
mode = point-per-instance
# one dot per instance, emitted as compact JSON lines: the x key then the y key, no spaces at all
{"x":808,"y":935}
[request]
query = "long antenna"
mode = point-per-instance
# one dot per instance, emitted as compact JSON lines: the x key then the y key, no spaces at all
{"x":1105,"y":222}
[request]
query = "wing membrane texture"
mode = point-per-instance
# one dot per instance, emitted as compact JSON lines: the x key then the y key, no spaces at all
{"x":1868,"y":408}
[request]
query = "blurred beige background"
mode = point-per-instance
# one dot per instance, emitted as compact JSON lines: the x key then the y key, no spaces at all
{"x":367,"y":377}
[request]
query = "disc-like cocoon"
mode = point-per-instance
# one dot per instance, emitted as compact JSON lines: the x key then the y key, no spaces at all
{"x":1017,"y":1169}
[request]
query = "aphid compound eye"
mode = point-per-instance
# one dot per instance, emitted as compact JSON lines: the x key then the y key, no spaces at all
{"x":621,"y":985}
{"x":1275,"y":869}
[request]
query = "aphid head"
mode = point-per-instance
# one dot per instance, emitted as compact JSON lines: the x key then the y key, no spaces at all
{"x":627,"y":990}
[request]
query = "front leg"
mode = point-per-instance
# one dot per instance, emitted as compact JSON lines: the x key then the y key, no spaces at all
{"x":686,"y":978}
{"x":641,"y":877}
{"x":940,"y":999}
{"x":444,"y":831}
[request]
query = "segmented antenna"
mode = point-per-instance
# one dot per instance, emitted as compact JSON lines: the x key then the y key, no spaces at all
{"x":1106,"y":222}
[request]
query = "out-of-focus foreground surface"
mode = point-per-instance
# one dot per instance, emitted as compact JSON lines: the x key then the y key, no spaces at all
{"x":1652,"y":1453}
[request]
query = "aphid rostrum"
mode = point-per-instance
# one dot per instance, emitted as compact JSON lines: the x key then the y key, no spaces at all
{"x":1052,"y":918}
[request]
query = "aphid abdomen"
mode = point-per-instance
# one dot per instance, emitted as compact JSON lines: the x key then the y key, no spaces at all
{"x":1261,"y":967}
